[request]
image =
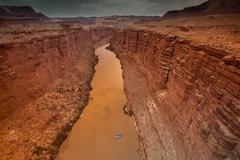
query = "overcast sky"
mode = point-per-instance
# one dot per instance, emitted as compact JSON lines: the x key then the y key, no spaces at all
{"x":74,"y":8}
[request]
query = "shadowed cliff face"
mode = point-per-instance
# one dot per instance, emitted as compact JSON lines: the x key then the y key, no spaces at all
{"x":194,"y":86}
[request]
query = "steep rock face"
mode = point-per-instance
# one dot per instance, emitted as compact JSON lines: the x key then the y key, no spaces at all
{"x":44,"y":86}
{"x":27,"y":69}
{"x":197,"y":87}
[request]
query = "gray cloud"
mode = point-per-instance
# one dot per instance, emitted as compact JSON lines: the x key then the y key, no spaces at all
{"x":73,"y":8}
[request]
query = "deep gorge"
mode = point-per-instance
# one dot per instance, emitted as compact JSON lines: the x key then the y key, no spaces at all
{"x":184,"y":97}
{"x":94,"y":135}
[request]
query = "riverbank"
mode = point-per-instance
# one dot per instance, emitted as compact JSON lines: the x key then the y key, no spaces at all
{"x":155,"y":132}
{"x":93,"y":136}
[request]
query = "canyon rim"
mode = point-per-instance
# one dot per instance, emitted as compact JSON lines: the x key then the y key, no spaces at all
{"x":179,"y":74}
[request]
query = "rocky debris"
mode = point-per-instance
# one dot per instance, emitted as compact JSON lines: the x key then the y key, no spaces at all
{"x":57,"y":111}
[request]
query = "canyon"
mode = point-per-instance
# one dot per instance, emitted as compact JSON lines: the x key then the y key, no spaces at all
{"x":103,"y":122}
{"x":181,"y":79}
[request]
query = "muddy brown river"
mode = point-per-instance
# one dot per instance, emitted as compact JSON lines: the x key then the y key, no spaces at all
{"x":104,"y":132}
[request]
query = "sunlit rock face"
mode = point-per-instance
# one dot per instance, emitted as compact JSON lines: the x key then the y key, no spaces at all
{"x":44,"y":86}
{"x":193,"y":85}
{"x":28,"y":68}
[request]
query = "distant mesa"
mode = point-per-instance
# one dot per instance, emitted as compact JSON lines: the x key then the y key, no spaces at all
{"x":207,"y":8}
{"x":20,"y":13}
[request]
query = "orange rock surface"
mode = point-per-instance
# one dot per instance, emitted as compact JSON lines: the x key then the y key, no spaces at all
{"x":44,"y":85}
{"x":184,"y":95}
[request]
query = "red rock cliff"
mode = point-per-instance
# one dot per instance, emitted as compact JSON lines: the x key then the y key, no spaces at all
{"x":197,"y":87}
{"x":28,"y":68}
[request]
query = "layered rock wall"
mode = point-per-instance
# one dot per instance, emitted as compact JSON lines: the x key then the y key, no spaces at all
{"x":44,"y":87}
{"x":27,"y":69}
{"x":197,"y":87}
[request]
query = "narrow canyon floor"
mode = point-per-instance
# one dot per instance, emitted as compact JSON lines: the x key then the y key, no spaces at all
{"x":93,"y":136}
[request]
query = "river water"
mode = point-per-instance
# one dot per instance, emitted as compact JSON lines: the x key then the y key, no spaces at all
{"x":93,"y":136}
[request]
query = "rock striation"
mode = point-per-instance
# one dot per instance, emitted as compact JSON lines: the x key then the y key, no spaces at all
{"x":183,"y":95}
{"x":28,"y":68}
{"x":44,"y":86}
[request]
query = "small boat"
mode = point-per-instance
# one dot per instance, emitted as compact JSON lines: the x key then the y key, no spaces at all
{"x":117,"y":136}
